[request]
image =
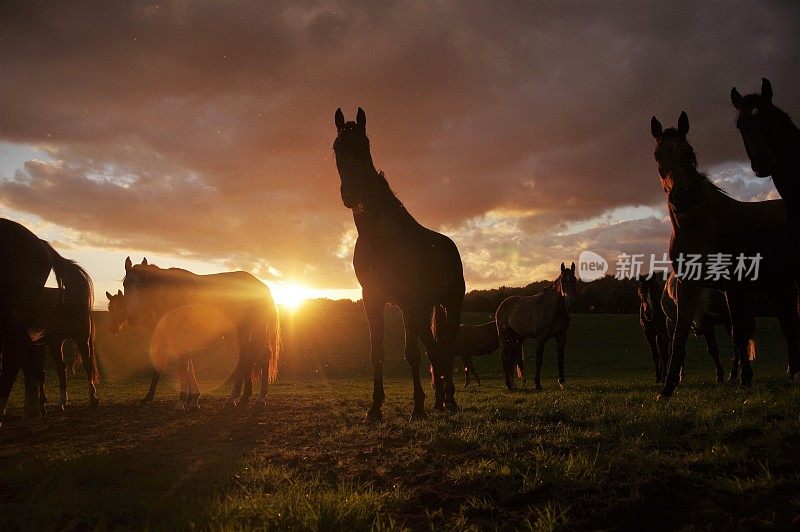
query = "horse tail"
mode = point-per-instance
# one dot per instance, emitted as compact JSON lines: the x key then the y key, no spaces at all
{"x":751,"y":349}
{"x":438,"y":321}
{"x":77,"y":297}
{"x":276,"y":343}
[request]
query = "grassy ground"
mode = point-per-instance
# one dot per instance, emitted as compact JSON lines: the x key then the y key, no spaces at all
{"x":599,"y":454}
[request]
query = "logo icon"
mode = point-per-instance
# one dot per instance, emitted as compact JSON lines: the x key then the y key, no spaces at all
{"x":591,"y":266}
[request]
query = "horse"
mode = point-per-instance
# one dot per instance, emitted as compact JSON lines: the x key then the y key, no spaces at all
{"x":150,"y":293}
{"x":475,"y":341}
{"x":117,"y":319}
{"x":772,"y":142}
{"x":400,"y":262}
{"x":653,"y":323}
{"x":541,"y":316}
{"x":711,"y":310}
{"x":25,"y":264}
{"x":708,"y":225}
{"x":73,"y":324}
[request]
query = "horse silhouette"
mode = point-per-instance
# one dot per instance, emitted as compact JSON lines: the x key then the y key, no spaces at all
{"x":541,"y":316}
{"x":772,"y":142}
{"x":152,"y":294}
{"x":400,"y":262}
{"x":25,"y":264}
{"x":707,"y":223}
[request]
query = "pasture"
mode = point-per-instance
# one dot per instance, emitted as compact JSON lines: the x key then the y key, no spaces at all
{"x":601,"y":453}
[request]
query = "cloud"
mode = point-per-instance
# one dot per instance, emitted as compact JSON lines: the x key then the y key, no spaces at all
{"x":205,"y":128}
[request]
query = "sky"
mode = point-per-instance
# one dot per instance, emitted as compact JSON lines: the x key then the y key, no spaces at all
{"x":199,"y":134}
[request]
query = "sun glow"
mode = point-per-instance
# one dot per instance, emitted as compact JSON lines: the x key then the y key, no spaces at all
{"x":291,"y":295}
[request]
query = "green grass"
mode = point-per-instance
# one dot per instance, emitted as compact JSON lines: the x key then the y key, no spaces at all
{"x":601,"y":453}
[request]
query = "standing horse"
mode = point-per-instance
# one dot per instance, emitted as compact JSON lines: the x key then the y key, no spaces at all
{"x":475,"y":341}
{"x":541,"y":316}
{"x":25,"y":264}
{"x":772,"y":143}
{"x":654,"y":323}
{"x":400,"y":262}
{"x":708,"y":225}
{"x":711,"y":310}
{"x":152,"y":292}
{"x":69,"y":323}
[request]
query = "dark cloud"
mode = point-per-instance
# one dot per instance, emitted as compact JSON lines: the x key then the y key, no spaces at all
{"x":206,"y":127}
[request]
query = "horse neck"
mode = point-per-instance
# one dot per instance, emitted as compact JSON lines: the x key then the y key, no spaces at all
{"x":787,"y":145}
{"x":386,"y":207}
{"x":713,"y":203}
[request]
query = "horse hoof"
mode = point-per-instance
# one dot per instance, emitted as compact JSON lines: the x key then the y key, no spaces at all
{"x":561,"y":384}
{"x":193,"y":408}
{"x":418,"y":415}
{"x":373,"y":417}
{"x":539,"y":388}
{"x":229,"y":404}
{"x":242,"y":403}
{"x":451,"y":407}
{"x":94,"y":402}
{"x":146,"y":399}
{"x":260,"y":403}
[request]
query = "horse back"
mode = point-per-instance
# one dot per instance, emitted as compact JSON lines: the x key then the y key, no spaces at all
{"x":477,"y":340}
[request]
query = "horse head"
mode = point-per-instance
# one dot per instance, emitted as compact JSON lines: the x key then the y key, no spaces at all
{"x":354,"y":161}
{"x":567,"y":284}
{"x":116,"y":311}
{"x":758,"y":121}
{"x":677,"y":165}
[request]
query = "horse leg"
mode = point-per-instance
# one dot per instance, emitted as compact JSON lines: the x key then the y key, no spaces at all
{"x":561,"y":344}
{"x":653,"y":343}
{"x":32,"y":369}
{"x":688,"y":294}
{"x":57,"y":356}
{"x":734,"y":374}
{"x":86,"y":352}
{"x":237,"y":378}
{"x":447,"y":350}
{"x":785,"y":304}
{"x":247,"y":378}
{"x":10,"y":366}
{"x":158,"y":367}
{"x":193,"y":397}
{"x":413,"y":358}
{"x":537,"y":378}
{"x":509,"y":345}
{"x":182,"y":365}
{"x":41,"y":380}
{"x":743,"y":331}
{"x":713,"y":352}
{"x":374,"y":310}
{"x":465,"y":362}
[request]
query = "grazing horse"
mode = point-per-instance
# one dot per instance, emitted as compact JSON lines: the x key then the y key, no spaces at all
{"x":711,"y":310}
{"x":772,"y":143}
{"x":399,"y":262}
{"x":654,"y":323}
{"x":475,"y":341}
{"x":707,"y":226}
{"x":25,"y":264}
{"x":117,"y":318}
{"x":541,"y":316}
{"x":69,"y":323}
{"x":151,"y":293}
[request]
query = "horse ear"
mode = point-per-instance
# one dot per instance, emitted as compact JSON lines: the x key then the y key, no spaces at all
{"x":144,"y":261}
{"x":361,"y":119}
{"x":128,"y":264}
{"x":572,"y":267}
{"x":655,"y":128}
{"x":119,"y":292}
{"x":736,"y":98}
{"x":683,"y":124}
{"x":108,"y":295}
{"x":338,"y":119}
{"x":766,"y":89}
{"x":562,"y":267}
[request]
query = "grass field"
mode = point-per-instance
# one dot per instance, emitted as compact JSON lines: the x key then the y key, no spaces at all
{"x":601,"y":453}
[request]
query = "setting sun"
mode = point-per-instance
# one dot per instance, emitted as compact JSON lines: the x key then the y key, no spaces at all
{"x":291,"y":295}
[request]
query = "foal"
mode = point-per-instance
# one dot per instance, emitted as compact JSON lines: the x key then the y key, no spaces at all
{"x":475,"y":341}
